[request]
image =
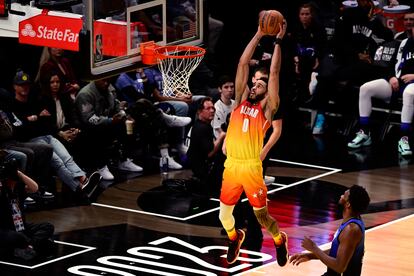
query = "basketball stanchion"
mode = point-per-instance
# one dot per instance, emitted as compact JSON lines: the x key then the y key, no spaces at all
{"x":176,"y":64}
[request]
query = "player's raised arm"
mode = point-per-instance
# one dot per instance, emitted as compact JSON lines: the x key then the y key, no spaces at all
{"x":243,"y":68}
{"x":273,"y":89}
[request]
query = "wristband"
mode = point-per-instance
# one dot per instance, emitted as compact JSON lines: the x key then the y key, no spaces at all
{"x":278,"y":40}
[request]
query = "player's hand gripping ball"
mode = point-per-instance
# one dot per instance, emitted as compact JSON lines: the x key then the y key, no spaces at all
{"x":269,"y":21}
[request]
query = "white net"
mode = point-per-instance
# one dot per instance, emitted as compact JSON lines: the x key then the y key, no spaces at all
{"x":176,"y":64}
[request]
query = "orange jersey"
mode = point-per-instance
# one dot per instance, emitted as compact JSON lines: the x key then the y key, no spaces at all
{"x":246,"y":131}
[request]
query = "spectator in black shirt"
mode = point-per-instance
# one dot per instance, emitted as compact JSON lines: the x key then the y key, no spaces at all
{"x":204,"y":153}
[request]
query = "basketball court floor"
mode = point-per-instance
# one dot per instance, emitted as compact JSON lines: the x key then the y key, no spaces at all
{"x":138,"y":227}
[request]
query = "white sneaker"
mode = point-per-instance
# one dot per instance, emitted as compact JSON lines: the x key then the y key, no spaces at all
{"x":404,"y":146}
{"x":106,"y":174}
{"x":269,"y":180}
{"x":128,"y":165}
{"x":172,"y":164}
{"x":361,"y":139}
{"x":176,"y":121}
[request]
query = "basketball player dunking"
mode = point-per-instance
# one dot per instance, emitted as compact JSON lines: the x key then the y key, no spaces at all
{"x":249,"y":121}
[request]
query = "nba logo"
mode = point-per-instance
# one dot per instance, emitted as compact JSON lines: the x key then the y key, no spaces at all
{"x":98,"y":48}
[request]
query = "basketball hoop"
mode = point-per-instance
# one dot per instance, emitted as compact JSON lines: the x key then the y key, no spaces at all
{"x":176,"y":64}
{"x":148,"y":52}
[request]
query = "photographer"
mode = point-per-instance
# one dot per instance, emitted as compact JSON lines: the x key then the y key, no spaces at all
{"x":19,"y":238}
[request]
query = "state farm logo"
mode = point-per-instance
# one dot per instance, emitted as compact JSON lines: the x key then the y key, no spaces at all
{"x":44,"y":32}
{"x":51,"y":31}
{"x":28,"y":30}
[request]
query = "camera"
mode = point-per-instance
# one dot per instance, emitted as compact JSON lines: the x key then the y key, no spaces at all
{"x":8,"y":169}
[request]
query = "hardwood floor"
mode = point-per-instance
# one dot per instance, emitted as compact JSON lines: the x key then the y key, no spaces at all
{"x":138,"y":227}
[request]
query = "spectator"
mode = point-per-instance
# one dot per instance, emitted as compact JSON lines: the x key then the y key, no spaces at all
{"x":408,"y":25}
{"x":20,"y":238}
{"x":137,"y":89}
{"x":53,"y":59}
{"x":206,"y":158}
{"x":153,"y":126}
{"x":33,"y":124}
{"x":183,"y":106}
{"x":309,"y":39}
{"x":61,"y":107}
{"x":400,"y":82}
{"x":355,"y":42}
{"x":101,"y":118}
{"x":224,"y":105}
{"x":38,"y":155}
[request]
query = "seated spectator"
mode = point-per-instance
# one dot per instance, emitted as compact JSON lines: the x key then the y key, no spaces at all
{"x":408,"y":25}
{"x":61,"y":107}
{"x":183,"y":105}
{"x":401,"y":82}
{"x":356,"y":38}
{"x":53,"y":59}
{"x":32,"y":123}
{"x":136,"y":85}
{"x":224,"y":105}
{"x":38,"y":157}
{"x":204,"y":153}
{"x":152,"y":127}
{"x":20,"y":238}
{"x":309,"y":39}
{"x":101,"y":118}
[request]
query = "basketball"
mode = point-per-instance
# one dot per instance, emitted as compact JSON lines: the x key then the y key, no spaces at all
{"x":269,"y":21}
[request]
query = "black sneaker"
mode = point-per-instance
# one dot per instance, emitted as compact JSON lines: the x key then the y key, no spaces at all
{"x":282,"y":254}
{"x":47,"y":195}
{"x":29,"y":201}
{"x":91,"y":183}
{"x":234,"y":247}
{"x":26,"y":254}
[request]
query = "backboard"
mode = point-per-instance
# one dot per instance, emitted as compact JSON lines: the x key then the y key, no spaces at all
{"x":114,"y":30}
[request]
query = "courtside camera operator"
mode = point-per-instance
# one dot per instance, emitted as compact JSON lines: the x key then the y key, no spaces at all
{"x":19,"y":238}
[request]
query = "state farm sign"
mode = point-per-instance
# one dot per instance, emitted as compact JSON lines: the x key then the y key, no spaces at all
{"x":51,"y":31}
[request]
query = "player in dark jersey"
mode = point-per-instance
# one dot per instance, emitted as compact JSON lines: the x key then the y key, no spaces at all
{"x":347,"y":249}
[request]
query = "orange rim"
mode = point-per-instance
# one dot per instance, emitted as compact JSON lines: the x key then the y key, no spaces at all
{"x":162,"y":52}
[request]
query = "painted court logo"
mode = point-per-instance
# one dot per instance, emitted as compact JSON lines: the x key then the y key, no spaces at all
{"x":172,"y":256}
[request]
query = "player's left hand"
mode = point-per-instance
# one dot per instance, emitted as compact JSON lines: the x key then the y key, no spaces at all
{"x":308,"y":244}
